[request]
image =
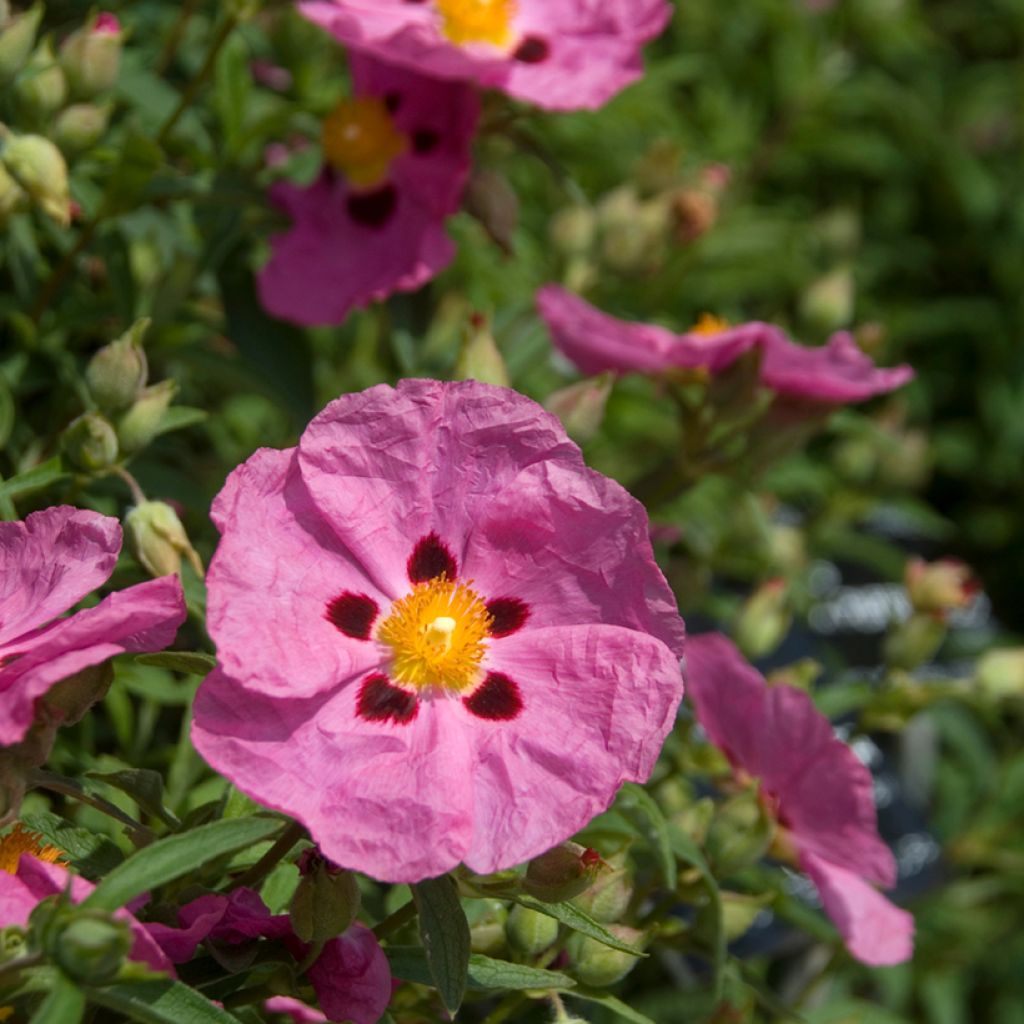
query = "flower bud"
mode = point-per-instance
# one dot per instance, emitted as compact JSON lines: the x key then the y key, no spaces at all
{"x":80,"y":127}
{"x":90,"y":442}
{"x":573,"y":230}
{"x":158,"y":540}
{"x":41,"y":88}
{"x":764,"y":619}
{"x":740,"y":833}
{"x":827,"y":304}
{"x":493,"y":202}
{"x":326,"y":899}
{"x":12,"y":196}
{"x":117,"y":372}
{"x":91,"y":947}
{"x":141,"y":423}
{"x":530,"y":932}
{"x":479,"y":358}
{"x":91,"y":56}
{"x":599,"y":965}
{"x":581,"y":406}
{"x":17,"y":37}
{"x":1000,"y":673}
{"x":71,"y":698}
{"x":487,"y":922}
{"x":609,"y":897}
{"x":694,"y":214}
{"x":939,"y":586}
{"x":914,"y":641}
{"x":37,"y":166}
{"x":562,"y":872}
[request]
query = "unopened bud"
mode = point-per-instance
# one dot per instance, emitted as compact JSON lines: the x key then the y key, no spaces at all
{"x":480,"y":358}
{"x":530,"y":932}
{"x":326,"y":899}
{"x":91,"y":947}
{"x":608,"y":898}
{"x":17,"y":37}
{"x":71,"y":698}
{"x":117,"y":372}
{"x":90,"y":442}
{"x":581,"y":406}
{"x":740,"y":833}
{"x":37,"y":166}
{"x":41,"y":88}
{"x":80,"y":127}
{"x":827,"y":305}
{"x":141,"y":423}
{"x":562,"y":872}
{"x":493,"y":202}
{"x":940,"y":586}
{"x":12,"y":196}
{"x":487,"y":921}
{"x":914,"y":641}
{"x":1000,"y":673}
{"x":573,"y":230}
{"x":694,"y":214}
{"x":764,"y":619}
{"x":158,"y":540}
{"x":599,"y":965}
{"x":800,"y":674}
{"x":91,"y":56}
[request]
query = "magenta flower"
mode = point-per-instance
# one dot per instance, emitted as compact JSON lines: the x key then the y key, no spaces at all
{"x":819,"y":793}
{"x":441,"y":637}
{"x":559,"y":54}
{"x":836,"y":373}
{"x":48,"y":563}
{"x":396,"y":156}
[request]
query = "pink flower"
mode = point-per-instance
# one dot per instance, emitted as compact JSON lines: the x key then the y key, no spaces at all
{"x":396,"y":159}
{"x":351,"y":976}
{"x":48,"y":563}
{"x":299,"y":1013}
{"x":35,"y":880}
{"x":441,"y":637}
{"x":820,"y":794}
{"x":559,"y":54}
{"x":833,"y":374}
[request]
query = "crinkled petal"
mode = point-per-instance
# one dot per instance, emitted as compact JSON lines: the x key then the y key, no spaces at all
{"x":575,"y":547}
{"x":598,"y":702}
{"x":145,"y":617}
{"x":49,"y":562}
{"x":875,"y":931}
{"x":299,"y":1012}
{"x":352,"y":977}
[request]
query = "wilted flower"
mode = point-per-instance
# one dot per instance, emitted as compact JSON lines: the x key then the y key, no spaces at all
{"x":396,"y":159}
{"x":442,"y":638}
{"x":813,"y":785}
{"x":559,"y":54}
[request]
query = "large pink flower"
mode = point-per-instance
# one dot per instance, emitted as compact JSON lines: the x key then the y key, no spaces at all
{"x":396,"y":159}
{"x":820,"y":793}
{"x":836,"y":373}
{"x":441,"y":637}
{"x":559,"y":54}
{"x":47,"y":563}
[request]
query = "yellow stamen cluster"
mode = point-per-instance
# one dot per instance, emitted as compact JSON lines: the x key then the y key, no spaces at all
{"x":709,"y":325}
{"x":360,"y":140}
{"x":436,"y":635}
{"x":477,"y":21}
{"x":18,"y":841}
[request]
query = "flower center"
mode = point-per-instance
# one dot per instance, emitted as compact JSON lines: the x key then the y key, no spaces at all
{"x":360,"y":140}
{"x":478,"y":21}
{"x":18,"y":841}
{"x":436,"y":634}
{"x":708,"y":325}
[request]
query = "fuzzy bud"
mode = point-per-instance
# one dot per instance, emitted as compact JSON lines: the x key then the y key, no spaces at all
{"x":913,"y":642}
{"x":487,"y":923}
{"x":326,"y":899}
{"x":17,"y":37}
{"x":598,"y":965}
{"x":573,"y":230}
{"x":141,"y":423}
{"x":530,"y":932}
{"x":91,"y":947}
{"x":694,"y":213}
{"x":90,"y":442}
{"x":562,"y":873}
{"x":740,"y":833}
{"x":1000,"y":673}
{"x":480,"y":358}
{"x":827,"y":305}
{"x":492,"y":201}
{"x":581,"y":406}
{"x":80,"y":127}
{"x":609,"y":897}
{"x":158,"y":540}
{"x":12,"y":196}
{"x":37,"y":166}
{"x":764,"y":619}
{"x":940,"y":586}
{"x":117,"y":372}
{"x":41,"y":88}
{"x":91,"y":56}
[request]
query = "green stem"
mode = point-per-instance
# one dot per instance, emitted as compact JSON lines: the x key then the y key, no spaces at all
{"x":15,"y":967}
{"x":402,"y":916}
{"x":288,"y":838}
{"x":508,"y":1006}
{"x":138,"y":495}
{"x":175,"y":36}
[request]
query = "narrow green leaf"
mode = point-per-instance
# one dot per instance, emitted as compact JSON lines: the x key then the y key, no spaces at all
{"x":638,"y":806}
{"x":485,"y":973}
{"x":64,"y":1005}
{"x":617,"y":1006}
{"x":194,"y":663}
{"x":35,"y":479}
{"x":578,"y":921}
{"x":444,"y":932}
{"x":171,"y":858}
{"x":160,"y":1001}
{"x":91,"y":855}
{"x":144,"y":786}
{"x":177,"y":417}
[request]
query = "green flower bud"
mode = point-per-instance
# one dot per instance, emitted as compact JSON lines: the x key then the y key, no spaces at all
{"x":91,"y":947}
{"x":764,"y":619}
{"x":480,"y":358}
{"x":487,"y":922}
{"x":581,"y":406}
{"x":117,"y":372}
{"x":740,"y":833}
{"x":739,"y":911}
{"x":561,"y":873}
{"x":71,"y":698}
{"x":915,"y":641}
{"x":1000,"y":673}
{"x":530,"y":932}
{"x":80,"y":127}
{"x":326,"y":900}
{"x":141,"y":423}
{"x":573,"y":230}
{"x":828,"y":303}
{"x":41,"y":88}
{"x":17,"y":37}
{"x":493,"y":202}
{"x":609,"y":897}
{"x":599,"y":965}
{"x":37,"y":166}
{"x":90,"y":442}
{"x":158,"y":540}
{"x":12,"y":196}
{"x":91,"y":56}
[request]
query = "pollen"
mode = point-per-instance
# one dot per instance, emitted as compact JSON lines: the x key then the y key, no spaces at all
{"x":478,"y":21}
{"x":361,"y":141}
{"x":20,"y":840}
{"x":437,"y":635}
{"x":709,"y":325}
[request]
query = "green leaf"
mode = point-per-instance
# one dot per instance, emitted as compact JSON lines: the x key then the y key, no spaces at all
{"x":160,"y":1001}
{"x":639,"y":807}
{"x":617,"y":1006}
{"x":90,"y":854}
{"x":444,"y":932}
{"x":194,"y":663}
{"x":64,"y":1005}
{"x":176,"y":856}
{"x":35,"y":479}
{"x":574,"y":918}
{"x":485,"y":973}
{"x":177,"y":417}
{"x":144,"y":786}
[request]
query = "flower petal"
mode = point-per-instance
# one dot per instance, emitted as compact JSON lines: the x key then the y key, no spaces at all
{"x":352,"y":977}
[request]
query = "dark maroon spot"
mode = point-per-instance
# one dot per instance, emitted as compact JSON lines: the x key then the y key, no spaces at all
{"x":429,"y":559}
{"x":497,"y":699}
{"x":353,"y":614}
{"x":373,"y":209}
{"x":392,"y":100}
{"x":532,"y":50}
{"x":379,"y":701}
{"x":424,"y":141}
{"x":508,"y":613}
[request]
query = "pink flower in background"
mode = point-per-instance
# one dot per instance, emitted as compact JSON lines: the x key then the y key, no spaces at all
{"x":559,"y":54}
{"x":397,"y":156}
{"x":441,"y":637}
{"x":48,"y":563}
{"x":820,"y":794}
